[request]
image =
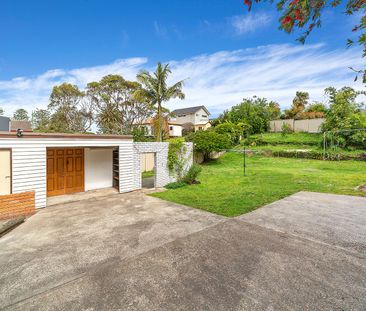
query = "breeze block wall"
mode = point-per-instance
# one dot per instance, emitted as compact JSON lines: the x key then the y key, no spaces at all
{"x":17,"y":204}
{"x":162,"y":175}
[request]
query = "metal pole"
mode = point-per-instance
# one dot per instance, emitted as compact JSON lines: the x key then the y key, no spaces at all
{"x":324,"y":146}
{"x":245,"y":164}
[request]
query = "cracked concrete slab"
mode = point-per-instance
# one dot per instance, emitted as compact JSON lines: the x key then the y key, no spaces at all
{"x":231,"y":266}
{"x":338,"y":220}
{"x":64,"y":241}
{"x":132,"y":252}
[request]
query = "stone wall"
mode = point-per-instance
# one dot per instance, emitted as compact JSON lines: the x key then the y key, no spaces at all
{"x":17,"y":204}
{"x":162,"y":175}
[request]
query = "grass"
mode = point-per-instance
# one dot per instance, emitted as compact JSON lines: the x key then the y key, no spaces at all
{"x":293,"y":138}
{"x":148,"y":174}
{"x":290,"y":147}
{"x":225,"y":191}
{"x":307,"y":142}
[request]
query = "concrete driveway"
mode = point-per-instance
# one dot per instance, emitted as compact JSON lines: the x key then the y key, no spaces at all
{"x":132,"y":252}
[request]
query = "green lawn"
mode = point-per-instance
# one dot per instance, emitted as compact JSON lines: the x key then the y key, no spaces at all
{"x":292,"y":138}
{"x":225,"y":191}
{"x":148,"y":174}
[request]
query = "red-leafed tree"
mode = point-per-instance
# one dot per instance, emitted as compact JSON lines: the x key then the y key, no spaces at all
{"x":306,"y":15}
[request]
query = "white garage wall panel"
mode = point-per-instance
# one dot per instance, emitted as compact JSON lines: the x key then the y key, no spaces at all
{"x":98,"y":168}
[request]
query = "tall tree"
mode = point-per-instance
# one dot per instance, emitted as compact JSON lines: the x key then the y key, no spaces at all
{"x":299,"y":104}
{"x":21,"y":114}
{"x":252,"y":114}
{"x":70,"y":112}
{"x":345,"y":116}
{"x":41,"y":120}
{"x":118,"y":108}
{"x":157,"y":92}
{"x":307,"y":14}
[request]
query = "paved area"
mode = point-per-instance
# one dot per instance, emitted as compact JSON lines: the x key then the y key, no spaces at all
{"x":130,"y":252}
{"x":62,"y":242}
{"x":79,"y":196}
{"x":148,"y":182}
{"x":337,"y":220}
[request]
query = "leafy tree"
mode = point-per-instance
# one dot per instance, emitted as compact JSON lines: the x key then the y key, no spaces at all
{"x":208,"y":141}
{"x":345,"y":115}
{"x":70,"y":112}
{"x":2,"y":111}
{"x":313,"y":111}
{"x":299,"y":104}
{"x":156,"y":91}
{"x":255,"y":113}
{"x":21,"y":114}
{"x":317,"y":107}
{"x":233,"y":131}
{"x":118,"y":108}
{"x":307,"y":14}
{"x":41,"y":120}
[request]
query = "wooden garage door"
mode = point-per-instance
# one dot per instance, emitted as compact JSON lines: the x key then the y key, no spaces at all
{"x":65,"y":171}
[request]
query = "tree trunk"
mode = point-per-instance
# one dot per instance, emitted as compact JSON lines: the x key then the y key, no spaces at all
{"x":159,"y":127}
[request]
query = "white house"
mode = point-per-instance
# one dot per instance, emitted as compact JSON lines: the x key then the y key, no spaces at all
{"x":58,"y":164}
{"x":174,"y":129}
{"x":197,"y":116}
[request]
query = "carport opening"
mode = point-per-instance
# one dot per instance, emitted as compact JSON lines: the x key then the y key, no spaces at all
{"x":148,"y":170}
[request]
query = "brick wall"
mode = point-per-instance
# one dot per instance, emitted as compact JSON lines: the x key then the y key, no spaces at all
{"x":163,"y":176}
{"x":18,"y":204}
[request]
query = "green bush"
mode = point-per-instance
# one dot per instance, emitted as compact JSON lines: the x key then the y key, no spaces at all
{"x":175,"y":185}
{"x":191,"y":176}
{"x":286,"y":129}
{"x":176,"y":159}
{"x":208,"y":141}
{"x":232,"y":130}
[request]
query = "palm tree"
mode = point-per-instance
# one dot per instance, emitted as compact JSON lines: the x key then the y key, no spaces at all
{"x":155,"y":90}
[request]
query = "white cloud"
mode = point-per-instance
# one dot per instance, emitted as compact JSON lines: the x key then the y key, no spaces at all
{"x":217,"y":80}
{"x":243,"y":24}
{"x":160,"y":30}
{"x":33,"y":92}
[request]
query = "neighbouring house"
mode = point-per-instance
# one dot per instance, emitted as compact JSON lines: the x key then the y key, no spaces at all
{"x":4,"y":124}
{"x":173,"y":128}
{"x":36,"y":166}
{"x":8,"y":125}
{"x":197,"y":117}
{"x":25,"y":126}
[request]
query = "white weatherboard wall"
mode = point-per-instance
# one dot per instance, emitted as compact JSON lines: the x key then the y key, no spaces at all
{"x":29,"y":161}
{"x":98,"y":168}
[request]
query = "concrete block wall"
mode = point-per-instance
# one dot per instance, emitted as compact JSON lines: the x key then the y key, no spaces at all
{"x":162,"y":175}
{"x":17,"y":204}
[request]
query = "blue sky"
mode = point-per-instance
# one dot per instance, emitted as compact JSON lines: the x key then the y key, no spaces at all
{"x":224,"y":52}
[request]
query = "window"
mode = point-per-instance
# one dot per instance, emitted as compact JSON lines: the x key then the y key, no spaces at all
{"x":204,"y":116}
{"x":170,"y":128}
{"x":200,"y":128}
{"x":181,"y":115}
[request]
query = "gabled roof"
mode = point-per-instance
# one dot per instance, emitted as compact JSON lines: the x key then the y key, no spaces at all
{"x":189,"y":110}
{"x":19,"y":124}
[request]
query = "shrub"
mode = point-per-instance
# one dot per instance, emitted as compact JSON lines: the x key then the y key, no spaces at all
{"x":233,"y":131}
{"x":175,"y":185}
{"x":176,"y":159}
{"x":191,"y":176}
{"x":208,"y":141}
{"x":286,"y":129}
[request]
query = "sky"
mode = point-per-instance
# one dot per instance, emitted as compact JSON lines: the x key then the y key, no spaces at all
{"x":223,"y":52}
